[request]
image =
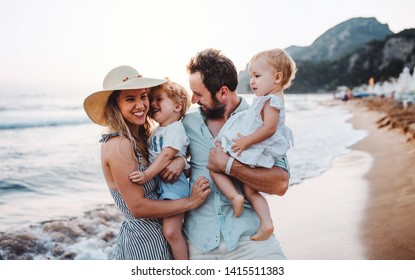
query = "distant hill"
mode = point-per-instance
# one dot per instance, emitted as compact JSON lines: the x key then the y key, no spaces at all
{"x":381,"y":60}
{"x":348,"y":54}
{"x":341,"y":40}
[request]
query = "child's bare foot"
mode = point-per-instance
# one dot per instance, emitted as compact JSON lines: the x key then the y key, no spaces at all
{"x":238,"y":205}
{"x":263,"y":233}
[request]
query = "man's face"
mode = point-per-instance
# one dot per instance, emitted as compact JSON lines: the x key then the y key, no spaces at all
{"x":211,"y":107}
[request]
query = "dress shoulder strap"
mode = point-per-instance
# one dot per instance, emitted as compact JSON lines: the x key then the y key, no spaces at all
{"x":108,"y":136}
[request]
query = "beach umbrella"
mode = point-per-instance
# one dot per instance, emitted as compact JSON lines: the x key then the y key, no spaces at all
{"x":412,"y":85}
{"x":404,"y":81}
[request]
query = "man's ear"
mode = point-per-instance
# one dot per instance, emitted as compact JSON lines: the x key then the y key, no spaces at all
{"x":222,"y":93}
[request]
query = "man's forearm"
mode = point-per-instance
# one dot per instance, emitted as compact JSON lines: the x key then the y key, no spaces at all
{"x":271,"y":181}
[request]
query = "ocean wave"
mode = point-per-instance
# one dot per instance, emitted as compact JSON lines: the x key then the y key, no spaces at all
{"x":11,"y":186}
{"x":43,"y":123}
{"x":92,"y":236}
{"x":37,"y":107}
{"x":44,"y":102}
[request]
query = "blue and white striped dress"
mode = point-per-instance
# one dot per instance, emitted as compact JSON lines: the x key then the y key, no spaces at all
{"x":140,"y":238}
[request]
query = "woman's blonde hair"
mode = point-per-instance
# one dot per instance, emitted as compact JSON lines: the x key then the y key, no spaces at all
{"x":282,"y":62}
{"x":117,"y":123}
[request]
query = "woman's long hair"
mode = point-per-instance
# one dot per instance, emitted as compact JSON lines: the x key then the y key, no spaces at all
{"x":117,"y":123}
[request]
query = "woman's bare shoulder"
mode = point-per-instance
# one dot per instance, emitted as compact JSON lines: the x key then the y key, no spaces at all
{"x":117,"y":146}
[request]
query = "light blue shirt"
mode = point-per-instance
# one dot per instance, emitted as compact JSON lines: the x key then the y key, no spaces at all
{"x":206,"y":225}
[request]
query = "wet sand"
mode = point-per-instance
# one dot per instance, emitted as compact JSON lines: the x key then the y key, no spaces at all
{"x":363,"y":207}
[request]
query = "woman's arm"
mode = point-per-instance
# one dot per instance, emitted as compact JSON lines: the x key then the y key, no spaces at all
{"x":271,"y":181}
{"x":121,"y":162}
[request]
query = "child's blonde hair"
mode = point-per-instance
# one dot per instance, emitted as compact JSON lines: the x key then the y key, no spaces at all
{"x":282,"y":62}
{"x":177,"y":93}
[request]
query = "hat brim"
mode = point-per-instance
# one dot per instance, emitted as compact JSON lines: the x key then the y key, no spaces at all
{"x":94,"y":104}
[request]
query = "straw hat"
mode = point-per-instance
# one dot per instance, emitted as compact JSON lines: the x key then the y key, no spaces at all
{"x":120,"y":78}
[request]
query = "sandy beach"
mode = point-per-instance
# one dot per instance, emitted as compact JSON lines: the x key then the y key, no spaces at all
{"x":363,"y":207}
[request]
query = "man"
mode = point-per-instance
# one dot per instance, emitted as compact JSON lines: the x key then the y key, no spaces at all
{"x":212,"y":230}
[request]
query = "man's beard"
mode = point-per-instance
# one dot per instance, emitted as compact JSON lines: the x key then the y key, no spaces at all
{"x":215,"y":113}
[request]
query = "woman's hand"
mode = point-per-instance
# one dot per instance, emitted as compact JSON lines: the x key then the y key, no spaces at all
{"x":200,"y":191}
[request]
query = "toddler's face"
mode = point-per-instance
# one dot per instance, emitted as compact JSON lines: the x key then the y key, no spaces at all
{"x":262,"y":77}
{"x":163,"y":109}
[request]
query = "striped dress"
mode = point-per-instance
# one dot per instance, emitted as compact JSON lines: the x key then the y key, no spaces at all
{"x":139,"y":238}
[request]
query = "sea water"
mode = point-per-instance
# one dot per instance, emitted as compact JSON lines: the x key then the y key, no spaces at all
{"x":54,"y":203}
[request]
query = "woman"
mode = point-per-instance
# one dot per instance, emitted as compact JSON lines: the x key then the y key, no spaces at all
{"x":122,"y":107}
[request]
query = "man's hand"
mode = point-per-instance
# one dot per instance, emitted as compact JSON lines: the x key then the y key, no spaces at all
{"x":217,"y":159}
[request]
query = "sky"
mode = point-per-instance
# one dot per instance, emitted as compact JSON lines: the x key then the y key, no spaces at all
{"x":67,"y":47}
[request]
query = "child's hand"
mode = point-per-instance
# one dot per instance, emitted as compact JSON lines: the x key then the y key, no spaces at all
{"x":138,"y":177}
{"x":240,"y":144}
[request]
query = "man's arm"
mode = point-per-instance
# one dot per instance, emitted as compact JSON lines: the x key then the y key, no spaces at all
{"x":271,"y":181}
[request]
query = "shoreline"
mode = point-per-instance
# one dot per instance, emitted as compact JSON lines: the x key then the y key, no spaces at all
{"x":362,"y":207}
{"x":388,"y":230}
